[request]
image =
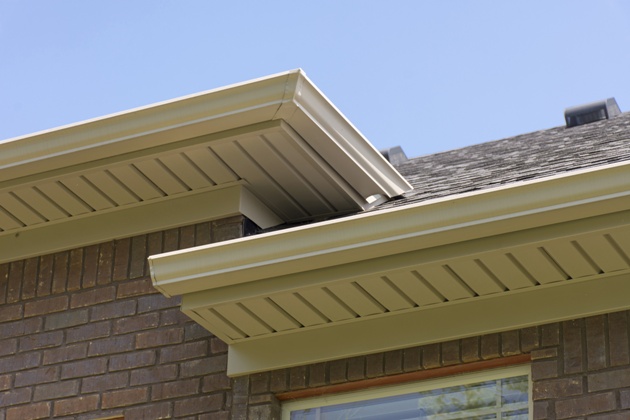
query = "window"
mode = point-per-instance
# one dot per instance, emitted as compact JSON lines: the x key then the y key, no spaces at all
{"x":498,"y":394}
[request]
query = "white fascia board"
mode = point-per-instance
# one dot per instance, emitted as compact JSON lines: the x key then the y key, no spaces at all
{"x":288,"y":96}
{"x":543,"y":202}
{"x":194,"y":207}
{"x":166,"y":122}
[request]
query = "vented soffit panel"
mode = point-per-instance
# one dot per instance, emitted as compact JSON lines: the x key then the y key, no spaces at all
{"x":430,"y":272}
{"x":288,"y":151}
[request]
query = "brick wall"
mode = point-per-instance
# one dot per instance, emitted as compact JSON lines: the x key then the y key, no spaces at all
{"x":580,"y":368}
{"x":84,"y":335}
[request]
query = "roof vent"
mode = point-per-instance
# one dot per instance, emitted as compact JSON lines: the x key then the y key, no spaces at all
{"x":594,"y":111}
{"x":394,"y":155}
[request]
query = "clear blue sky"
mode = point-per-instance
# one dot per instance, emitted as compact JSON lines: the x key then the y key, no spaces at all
{"x":428,"y":76}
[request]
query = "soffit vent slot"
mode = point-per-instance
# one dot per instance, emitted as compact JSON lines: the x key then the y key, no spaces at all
{"x":591,"y":112}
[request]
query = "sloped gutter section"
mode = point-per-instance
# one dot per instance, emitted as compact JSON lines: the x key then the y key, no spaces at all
{"x":571,"y":230}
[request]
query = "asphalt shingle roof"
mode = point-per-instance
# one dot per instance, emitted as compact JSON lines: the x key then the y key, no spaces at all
{"x":527,"y":156}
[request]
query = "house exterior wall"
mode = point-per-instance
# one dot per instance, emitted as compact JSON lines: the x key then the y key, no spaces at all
{"x":83,"y":334}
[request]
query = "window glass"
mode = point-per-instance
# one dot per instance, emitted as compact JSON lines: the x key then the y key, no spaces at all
{"x":502,"y":397}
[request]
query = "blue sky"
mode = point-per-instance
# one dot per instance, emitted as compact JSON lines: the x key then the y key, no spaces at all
{"x":429,"y":76}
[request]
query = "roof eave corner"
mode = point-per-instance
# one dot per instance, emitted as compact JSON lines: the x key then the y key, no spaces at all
{"x":307,"y":110}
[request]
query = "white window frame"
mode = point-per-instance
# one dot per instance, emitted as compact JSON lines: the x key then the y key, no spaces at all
{"x":406,"y":388}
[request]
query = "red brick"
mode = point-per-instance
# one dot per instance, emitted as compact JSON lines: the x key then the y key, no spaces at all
{"x":470,"y":349}
{"x":198,"y":405}
{"x":172,"y":317}
{"x":150,"y":411}
{"x":44,"y":278}
{"x":32,"y":411}
{"x":56,"y":390}
{"x":613,"y":379}
{"x":259,"y":383}
{"x":84,"y":368}
{"x":544,"y":369}
{"x":205,"y":366}
{"x":112,"y":310}
{"x":8,"y":346}
{"x":75,"y":270}
{"x":203,"y":234}
{"x":121,"y":259}
{"x":557,"y":388}
{"x":184,"y":352}
{"x":15,"y":396}
{"x":171,"y":240}
{"x":154,"y":243}
{"x":154,"y":374}
{"x":618,"y":339}
{"x":186,"y":237}
{"x":530,"y":339}
{"x":490,"y":348}
{"x":14,"y":282}
{"x":158,"y":338}
{"x":125,"y":397}
{"x":60,"y":272}
{"x":20,"y":328}
{"x":356,"y":368}
{"x":29,"y":286}
{"x":278,"y":380}
{"x":111,"y":345}
{"x":105,"y":261}
{"x":157,"y":302}
{"x":337,"y":372}
{"x":431,"y":356}
{"x":217,"y":346}
{"x":46,"y":306}
{"x":412,"y":359}
{"x":582,"y":406}
{"x":131,"y":360}
{"x":138,"y":256}
{"x":136,"y":323}
{"x":90,"y":266}
{"x":65,"y":353}
{"x":36,"y":376}
{"x":450,"y":353}
{"x":66,"y":319}
{"x":297,"y":377}
{"x":596,"y":346}
{"x":143,"y":286}
{"x":194,"y":331}
{"x":40,"y":341}
{"x":5,"y":382}
{"x":4,"y":280}
{"x":76,"y":405}
{"x":176,"y":389}
{"x":550,"y":335}
{"x":93,"y":297}
{"x":572,"y":344}
{"x":510,"y":343}
{"x":23,"y":360}
{"x":105,"y":382}
{"x":220,"y":381}
{"x":87,"y":332}
{"x":11,"y":312}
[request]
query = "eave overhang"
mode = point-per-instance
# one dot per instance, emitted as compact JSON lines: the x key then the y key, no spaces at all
{"x":524,"y":254}
{"x":278,"y":141}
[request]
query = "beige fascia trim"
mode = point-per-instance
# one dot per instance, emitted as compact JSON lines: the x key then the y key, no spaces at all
{"x":288,"y":96}
{"x":193,"y":207}
{"x":544,"y":202}
{"x":166,"y":122}
{"x":552,"y":303}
